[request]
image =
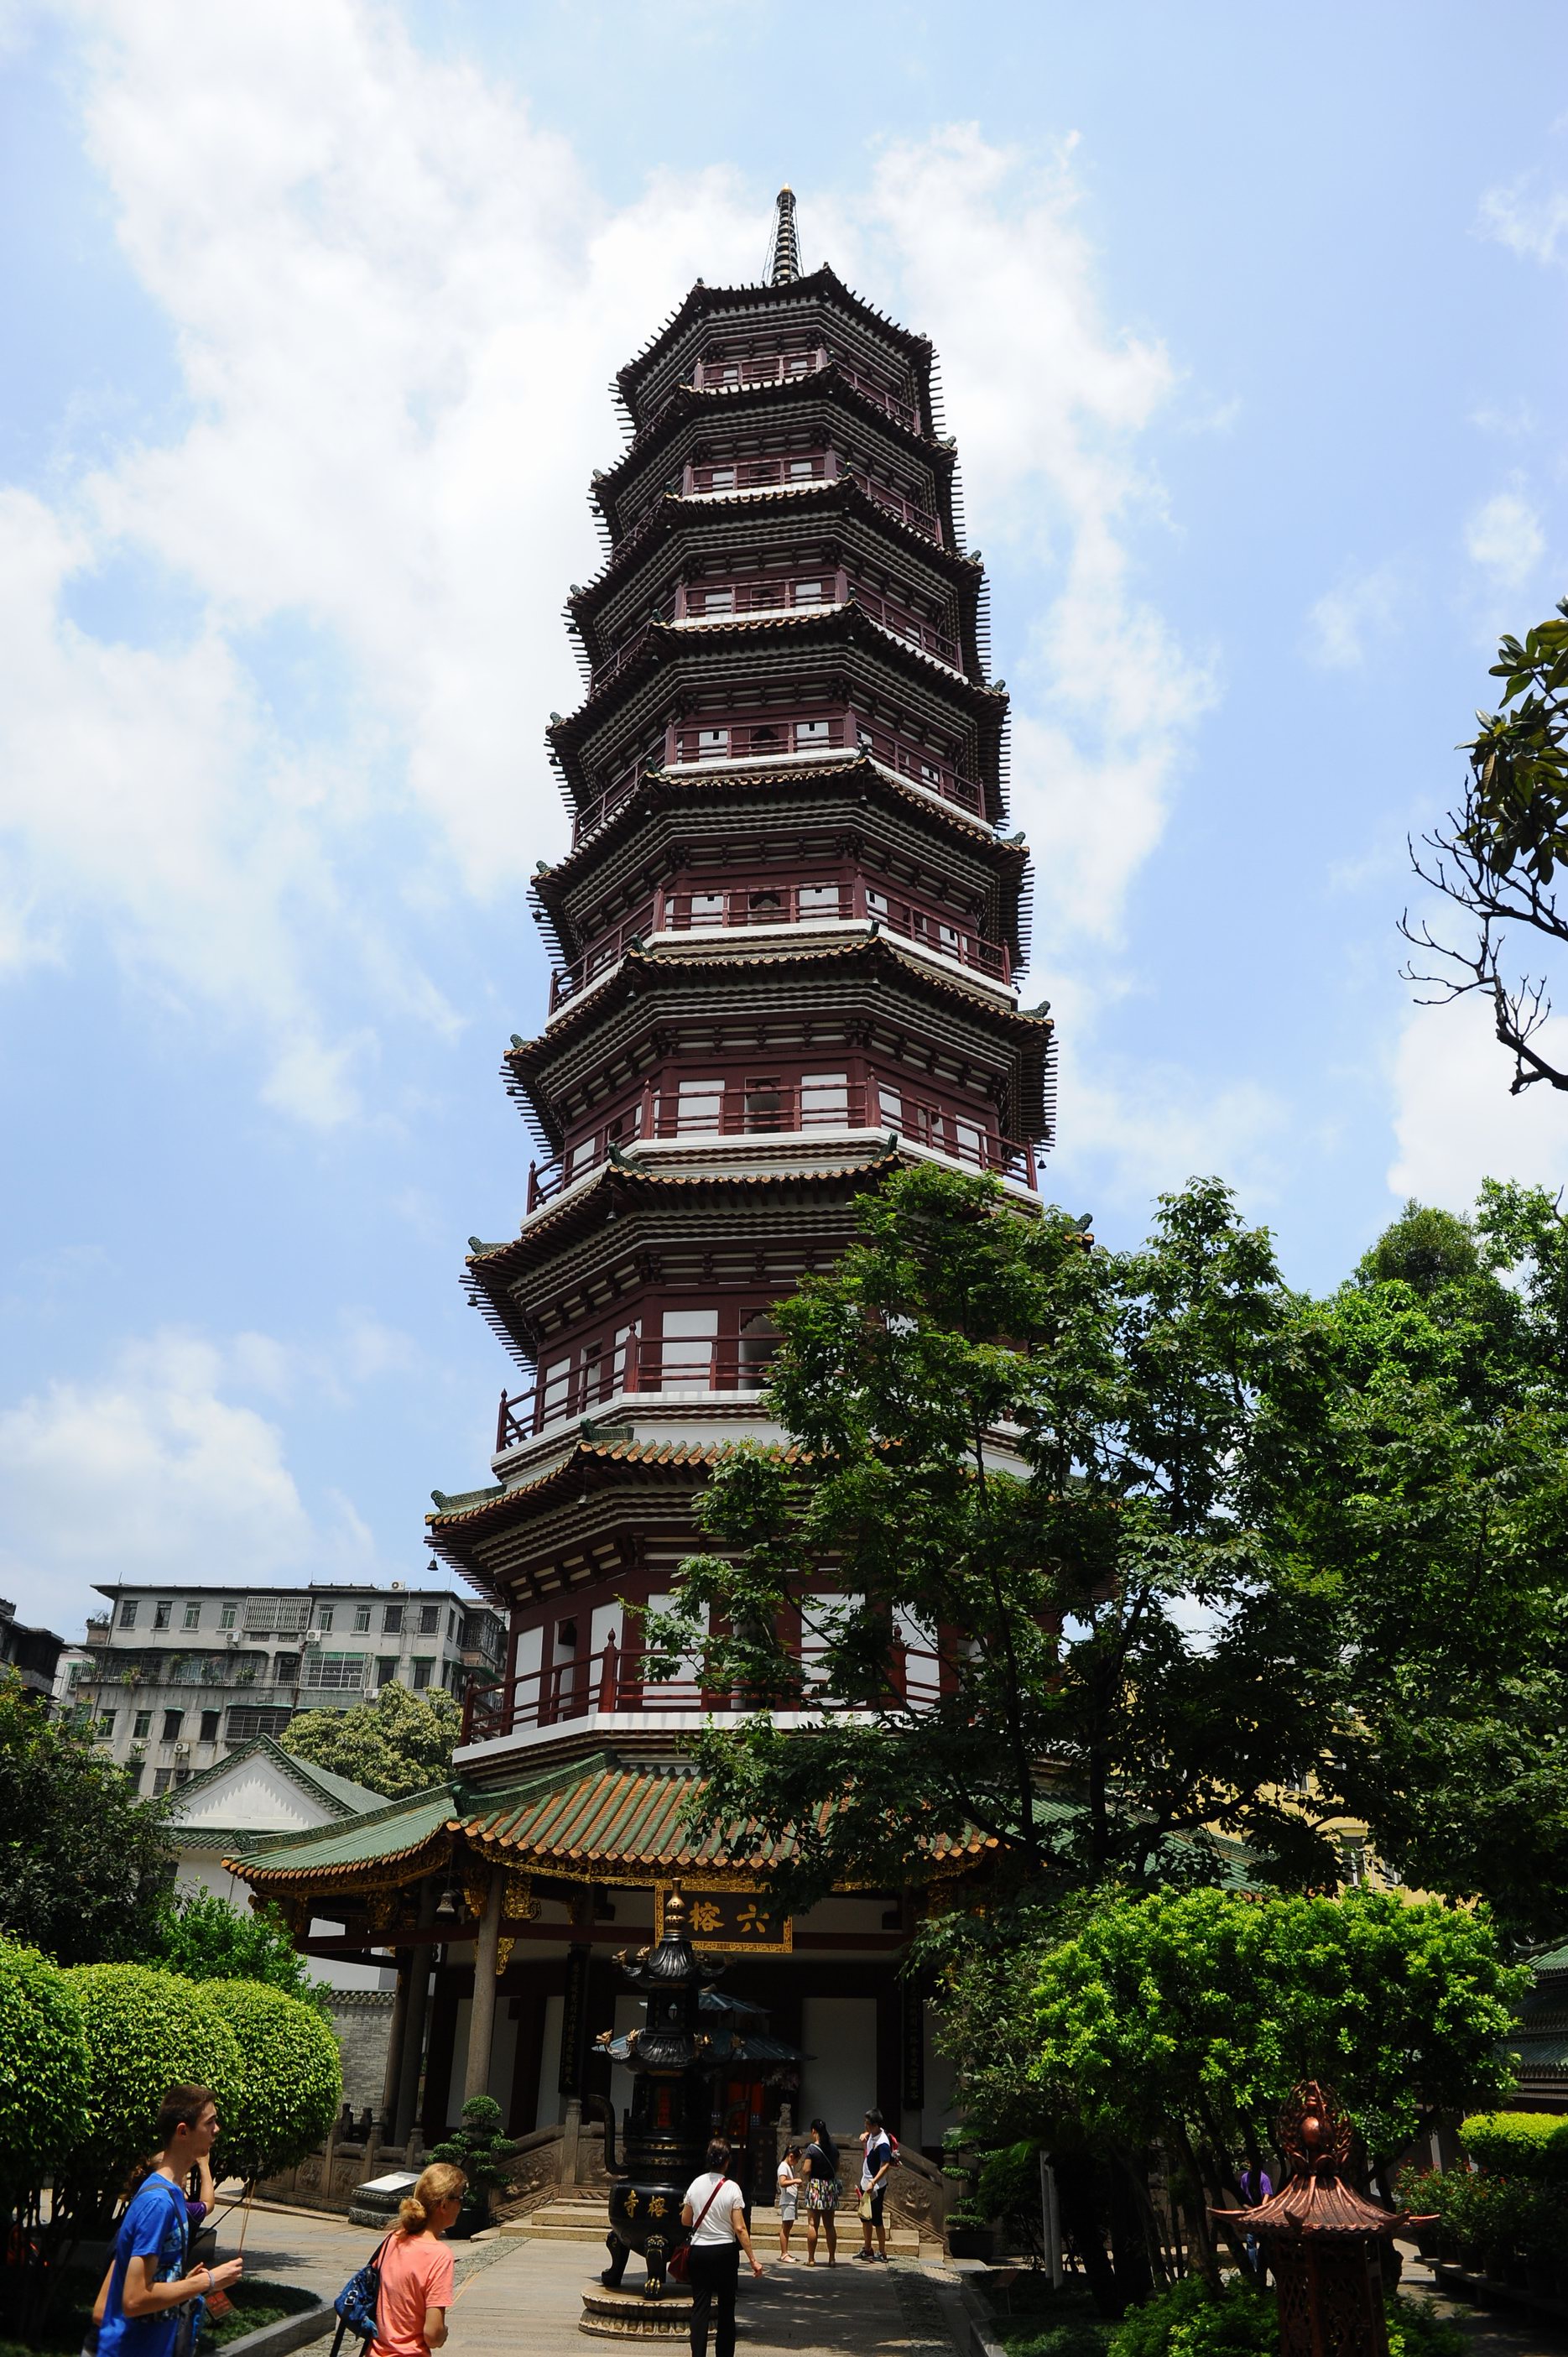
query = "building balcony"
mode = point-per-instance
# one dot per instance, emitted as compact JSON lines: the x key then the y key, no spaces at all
{"x":789,"y":1109}
{"x":794,"y":469}
{"x":702,"y":604}
{"x":729,"y":375}
{"x":710,"y":914}
{"x":613,"y":1684}
{"x":677,"y":1367}
{"x":789,"y":742}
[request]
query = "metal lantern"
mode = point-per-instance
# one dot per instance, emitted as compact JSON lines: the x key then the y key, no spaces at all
{"x":1322,"y":2240}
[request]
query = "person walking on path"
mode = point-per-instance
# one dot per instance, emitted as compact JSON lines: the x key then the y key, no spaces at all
{"x":714,"y":2213}
{"x":876,"y":2160}
{"x":416,"y":2266}
{"x":821,"y":2192}
{"x":147,"y":2292}
{"x":789,"y":2194}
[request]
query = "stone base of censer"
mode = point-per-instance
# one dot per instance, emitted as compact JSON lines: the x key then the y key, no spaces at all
{"x":625,"y":2315}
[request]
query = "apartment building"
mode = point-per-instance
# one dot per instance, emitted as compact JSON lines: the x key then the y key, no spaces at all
{"x":178,"y":1677}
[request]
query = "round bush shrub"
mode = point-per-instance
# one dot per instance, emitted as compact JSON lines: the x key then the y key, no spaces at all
{"x":290,"y":2079}
{"x":44,"y":2067}
{"x":1518,"y":2143}
{"x":146,"y":2031}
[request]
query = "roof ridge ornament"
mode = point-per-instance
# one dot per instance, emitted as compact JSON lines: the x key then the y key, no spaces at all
{"x":784,"y":267}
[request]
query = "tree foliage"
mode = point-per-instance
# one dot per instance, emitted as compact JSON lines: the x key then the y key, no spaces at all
{"x":44,"y":2064}
{"x":288,"y":2083}
{"x":203,"y":1938}
{"x":395,"y":1744}
{"x":1496,"y":856}
{"x":1030,"y":1458}
{"x":83,"y":1864}
{"x":146,"y":2031}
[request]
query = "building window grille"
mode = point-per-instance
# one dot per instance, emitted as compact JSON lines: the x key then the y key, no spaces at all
{"x":451,"y":1628}
{"x":161,"y":1779}
{"x":128,"y":1614}
{"x":391,"y":1620}
{"x":162,"y":1615}
{"x":422,"y":1665}
{"x":133,"y":1774}
{"x":173,"y":1721}
{"x":386,"y":1670}
{"x":106,"y":1723}
{"x":286,"y":1670}
{"x":277,"y":1615}
{"x":246,"y":1721}
{"x":210,"y":1723}
{"x":361,"y":1618}
{"x":193,"y":1616}
{"x":228,"y":1616}
{"x":429,"y":1619}
{"x":324,"y":1616}
{"x":335,"y":1673}
{"x":141,"y":1724}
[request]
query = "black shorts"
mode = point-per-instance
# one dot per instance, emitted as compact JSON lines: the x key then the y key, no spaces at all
{"x":873,"y":2194}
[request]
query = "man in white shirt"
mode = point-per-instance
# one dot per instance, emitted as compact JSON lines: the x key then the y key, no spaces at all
{"x":714,"y":2213}
{"x":877,"y":2160}
{"x":789,"y":2196}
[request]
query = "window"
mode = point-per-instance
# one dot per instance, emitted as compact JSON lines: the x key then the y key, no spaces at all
{"x":824,"y":1100}
{"x":128,"y":1614}
{"x":210,"y":1725}
{"x":759,"y":1340}
{"x":764,"y":1103}
{"x":106,"y":1723}
{"x":173,"y":1721}
{"x":324,"y":1616}
{"x":711,"y":601}
{"x":812,"y":732}
{"x":228,"y":1616}
{"x":133,"y":1774}
{"x":361,"y":1618}
{"x":799,"y":470}
{"x":391,"y":1620}
{"x":386,"y":1669}
{"x":335,"y":1673}
{"x":818,"y":900}
{"x":141,"y":1724}
{"x":246,"y":1722}
{"x":713,"y":744}
{"x":285,"y":1669}
{"x":698,"y":1106}
{"x":451,"y":1628}
{"x":422,"y":1665}
{"x":161,"y":1779}
{"x":687,"y":1357}
{"x":162,"y":1615}
{"x":269,"y":1616}
{"x":721,"y":479}
{"x":182,"y":1776}
{"x":429,"y":1619}
{"x":193,"y":1616}
{"x":812,"y":593}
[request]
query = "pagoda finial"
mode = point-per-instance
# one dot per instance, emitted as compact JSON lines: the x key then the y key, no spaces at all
{"x":786,"y":248}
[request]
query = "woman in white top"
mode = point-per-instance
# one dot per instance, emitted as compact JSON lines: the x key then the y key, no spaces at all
{"x":714,"y":2213}
{"x":789,"y":2195}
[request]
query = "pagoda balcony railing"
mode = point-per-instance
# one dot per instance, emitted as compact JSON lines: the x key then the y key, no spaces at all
{"x":782,"y":368}
{"x":614,"y":1680}
{"x":790,"y":1109}
{"x":912,"y":511}
{"x":727,"y":601}
{"x":785,"y":904}
{"x":675,"y":1367}
{"x":724,"y":476}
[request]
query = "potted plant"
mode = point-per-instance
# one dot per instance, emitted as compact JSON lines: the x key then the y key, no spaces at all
{"x":969,"y":2233}
{"x":478,"y":2148}
{"x":1419,"y":2191}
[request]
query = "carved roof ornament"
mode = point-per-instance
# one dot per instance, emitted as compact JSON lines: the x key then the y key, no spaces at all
{"x":785,"y":265}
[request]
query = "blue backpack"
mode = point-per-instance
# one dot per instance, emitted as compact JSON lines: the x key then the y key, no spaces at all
{"x":357,"y":2303}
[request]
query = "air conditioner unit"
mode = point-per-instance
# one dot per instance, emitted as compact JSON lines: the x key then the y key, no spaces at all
{"x":182,"y":1750}
{"x":313,"y":1637}
{"x":233,"y":1640}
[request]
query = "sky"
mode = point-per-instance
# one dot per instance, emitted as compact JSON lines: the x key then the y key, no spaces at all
{"x":1250,"y":325}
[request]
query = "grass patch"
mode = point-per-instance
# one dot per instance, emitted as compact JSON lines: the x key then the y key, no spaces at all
{"x":255,"y":2303}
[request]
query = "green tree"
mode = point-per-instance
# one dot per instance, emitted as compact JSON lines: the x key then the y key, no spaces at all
{"x":44,"y":2082}
{"x":289,"y":2081}
{"x":1409,"y":1469}
{"x":1496,"y":856}
{"x":203,"y":1938}
{"x":146,"y":2031}
{"x":83,"y":1864}
{"x":1187,"y":2016}
{"x":1018,"y":1460}
{"x":398,"y":1743}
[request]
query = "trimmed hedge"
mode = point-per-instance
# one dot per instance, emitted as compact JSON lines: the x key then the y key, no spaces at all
{"x":289,"y":2083}
{"x":45,"y":2072}
{"x":1519,"y":2144}
{"x":146,"y":2031}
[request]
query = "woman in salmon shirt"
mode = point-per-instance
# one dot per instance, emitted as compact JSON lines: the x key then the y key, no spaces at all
{"x":417,"y":2267}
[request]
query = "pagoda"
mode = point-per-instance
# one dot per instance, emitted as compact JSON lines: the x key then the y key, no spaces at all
{"x":787,"y":935}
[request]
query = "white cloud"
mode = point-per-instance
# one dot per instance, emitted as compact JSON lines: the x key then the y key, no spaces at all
{"x":1529,"y":219}
{"x":1505,"y":538}
{"x":1350,"y":619}
{"x":155,"y":1470}
{"x":1455,"y":1120}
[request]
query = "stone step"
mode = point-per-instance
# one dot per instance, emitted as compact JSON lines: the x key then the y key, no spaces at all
{"x":587,"y":2220}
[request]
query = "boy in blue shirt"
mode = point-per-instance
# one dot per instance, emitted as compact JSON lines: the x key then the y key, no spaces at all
{"x":147,"y":2287}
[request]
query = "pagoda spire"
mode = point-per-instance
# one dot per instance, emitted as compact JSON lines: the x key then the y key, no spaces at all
{"x":786,"y":267}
